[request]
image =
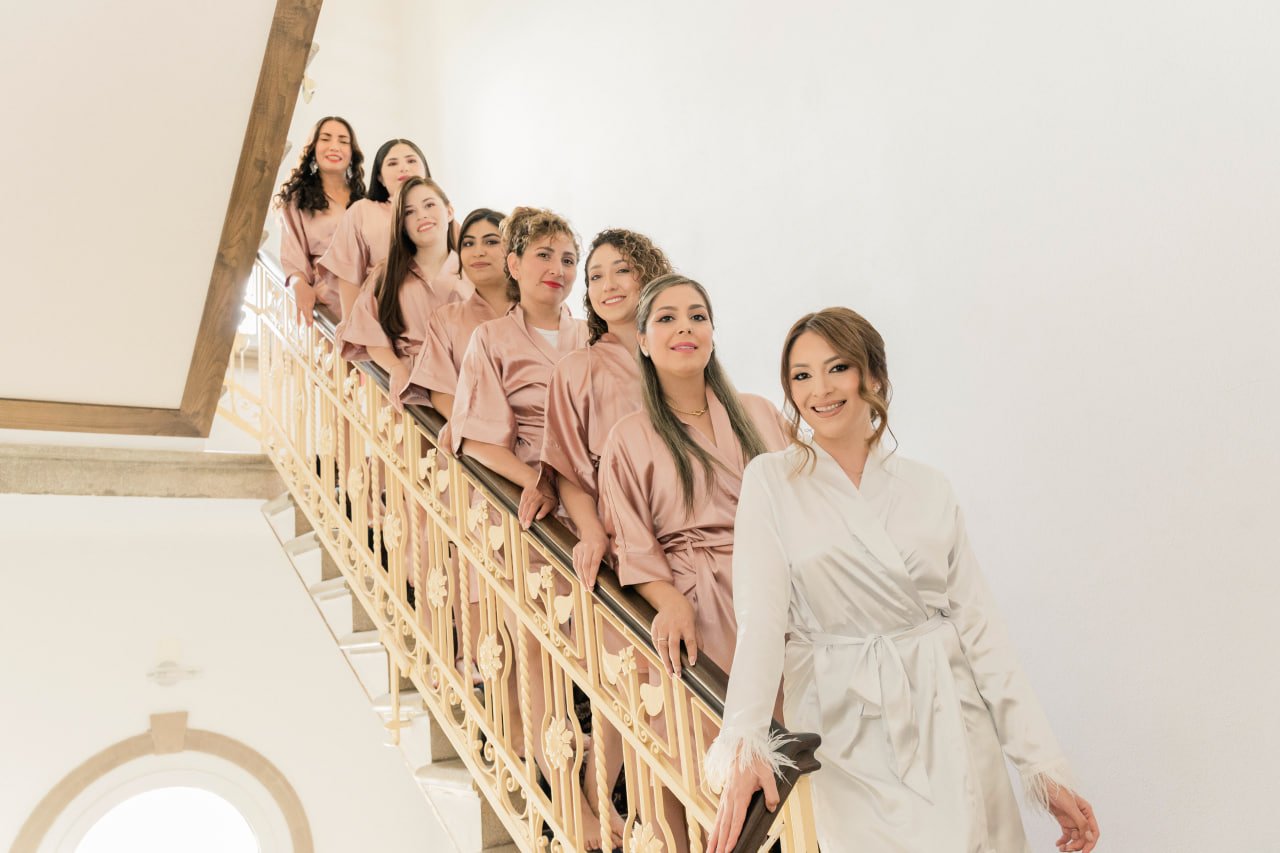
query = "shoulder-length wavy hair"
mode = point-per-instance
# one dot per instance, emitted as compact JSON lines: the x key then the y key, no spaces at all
{"x":377,"y":189}
{"x":400,"y":258}
{"x":305,"y":184}
{"x":671,"y":429}
{"x":525,"y":225}
{"x":856,"y":340}
{"x":645,"y":257}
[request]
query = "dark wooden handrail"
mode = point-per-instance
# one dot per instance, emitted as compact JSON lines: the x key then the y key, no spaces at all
{"x":707,"y":681}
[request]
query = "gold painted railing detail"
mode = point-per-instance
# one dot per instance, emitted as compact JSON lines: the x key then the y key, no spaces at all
{"x":377,"y":489}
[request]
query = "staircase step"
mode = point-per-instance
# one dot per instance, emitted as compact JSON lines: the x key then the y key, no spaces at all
{"x":329,"y":590}
{"x":303,"y":544}
{"x":410,"y":704}
{"x":361,"y":642}
{"x":451,"y":774}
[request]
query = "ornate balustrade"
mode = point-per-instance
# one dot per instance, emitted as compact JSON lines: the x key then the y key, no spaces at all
{"x":393,"y":508}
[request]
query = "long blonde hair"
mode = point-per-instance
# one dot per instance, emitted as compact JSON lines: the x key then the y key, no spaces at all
{"x":854,"y":339}
{"x":671,"y":429}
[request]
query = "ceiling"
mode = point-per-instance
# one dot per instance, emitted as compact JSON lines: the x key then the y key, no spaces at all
{"x":125,"y":142}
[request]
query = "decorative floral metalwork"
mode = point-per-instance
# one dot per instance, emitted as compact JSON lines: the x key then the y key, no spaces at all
{"x":557,"y":744}
{"x":489,"y":657}
{"x":437,"y":588}
{"x":392,"y":530}
{"x":645,"y":840}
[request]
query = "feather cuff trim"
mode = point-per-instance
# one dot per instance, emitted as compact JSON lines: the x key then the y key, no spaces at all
{"x":731,"y":752}
{"x":1039,"y":782}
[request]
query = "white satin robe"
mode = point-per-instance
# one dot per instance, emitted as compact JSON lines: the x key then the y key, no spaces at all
{"x":871,"y":604}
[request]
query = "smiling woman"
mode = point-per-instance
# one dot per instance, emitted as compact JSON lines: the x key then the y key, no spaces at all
{"x":363,"y":237}
{"x":854,"y":571}
{"x":388,"y":323}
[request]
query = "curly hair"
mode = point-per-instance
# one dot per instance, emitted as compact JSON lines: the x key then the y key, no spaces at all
{"x":378,"y":191}
{"x":522,"y":227}
{"x":305,"y":184}
{"x":649,"y":262}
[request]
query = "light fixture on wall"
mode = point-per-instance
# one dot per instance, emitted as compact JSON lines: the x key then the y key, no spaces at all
{"x":309,"y":85}
{"x":169,"y":671}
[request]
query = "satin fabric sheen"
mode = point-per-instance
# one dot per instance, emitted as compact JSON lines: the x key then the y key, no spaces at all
{"x":869,"y":604}
{"x":591,"y":390}
{"x":654,"y":539}
{"x":502,"y":386}
{"x":304,"y":238}
{"x":420,"y":297}
{"x":360,"y":242}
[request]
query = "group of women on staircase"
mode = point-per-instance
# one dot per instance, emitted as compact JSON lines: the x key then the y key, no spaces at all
{"x":849,"y":562}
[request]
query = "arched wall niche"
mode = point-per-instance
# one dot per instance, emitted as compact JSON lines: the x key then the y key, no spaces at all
{"x":169,"y":754}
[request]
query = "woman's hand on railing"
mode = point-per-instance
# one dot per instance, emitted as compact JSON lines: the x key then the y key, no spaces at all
{"x":742,"y":783}
{"x":304,"y":297}
{"x":587,"y":555}
{"x":537,"y":500}
{"x":398,"y":377}
{"x":674,"y":624}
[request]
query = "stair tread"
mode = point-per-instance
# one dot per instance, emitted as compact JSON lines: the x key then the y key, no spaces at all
{"x":451,"y":773}
{"x":361,"y":642}
{"x":332,"y":588}
{"x":410,"y":702}
{"x":302,"y":544}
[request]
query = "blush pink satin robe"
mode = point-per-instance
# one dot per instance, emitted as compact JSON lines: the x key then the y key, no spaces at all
{"x":502,"y":386}
{"x":304,"y":238}
{"x":591,"y":390}
{"x":448,"y":333}
{"x":360,"y":242}
{"x":653,"y":539}
{"x":420,"y":298}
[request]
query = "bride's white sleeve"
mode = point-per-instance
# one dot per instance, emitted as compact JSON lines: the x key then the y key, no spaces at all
{"x":761,"y":600}
{"x":1020,"y":721}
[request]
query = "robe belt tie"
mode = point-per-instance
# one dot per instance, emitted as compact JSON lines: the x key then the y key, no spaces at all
{"x":874,"y":671}
{"x":688,"y":544}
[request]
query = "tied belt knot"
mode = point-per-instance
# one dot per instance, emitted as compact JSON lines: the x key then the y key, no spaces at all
{"x":879,"y":680}
{"x":691,"y":571}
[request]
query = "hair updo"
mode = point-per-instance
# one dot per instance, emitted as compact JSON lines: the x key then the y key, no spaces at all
{"x":524,"y":226}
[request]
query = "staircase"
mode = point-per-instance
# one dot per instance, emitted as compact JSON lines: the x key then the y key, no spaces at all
{"x":428,"y":753}
{"x":373,"y":500}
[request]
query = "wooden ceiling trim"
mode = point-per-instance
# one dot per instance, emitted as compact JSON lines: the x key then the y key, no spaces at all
{"x":88,"y":417}
{"x":283,"y":63}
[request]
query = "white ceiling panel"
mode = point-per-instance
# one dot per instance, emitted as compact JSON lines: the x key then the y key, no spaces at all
{"x":123,"y":128}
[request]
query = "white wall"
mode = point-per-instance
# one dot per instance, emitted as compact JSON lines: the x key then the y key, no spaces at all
{"x":1063,"y":219}
{"x":95,"y":585}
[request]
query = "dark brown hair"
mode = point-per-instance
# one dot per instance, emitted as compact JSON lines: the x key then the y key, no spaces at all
{"x":305,"y":184}
{"x":378,"y":191}
{"x":857,"y":341}
{"x":649,"y":262}
{"x":399,"y":259}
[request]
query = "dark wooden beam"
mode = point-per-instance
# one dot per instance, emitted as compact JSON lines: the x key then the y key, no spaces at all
{"x":87,"y":417}
{"x":283,"y":64}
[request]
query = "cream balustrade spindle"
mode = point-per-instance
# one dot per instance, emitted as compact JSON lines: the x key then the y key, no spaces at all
{"x":450,"y":526}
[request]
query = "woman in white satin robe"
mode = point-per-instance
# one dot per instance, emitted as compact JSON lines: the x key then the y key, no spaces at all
{"x":863,"y":595}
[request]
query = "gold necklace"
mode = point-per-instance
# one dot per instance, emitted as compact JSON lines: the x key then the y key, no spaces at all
{"x":696,"y":414}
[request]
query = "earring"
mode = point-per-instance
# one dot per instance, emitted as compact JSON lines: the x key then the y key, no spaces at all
{"x":644,"y":352}
{"x":314,"y":167}
{"x":350,"y":172}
